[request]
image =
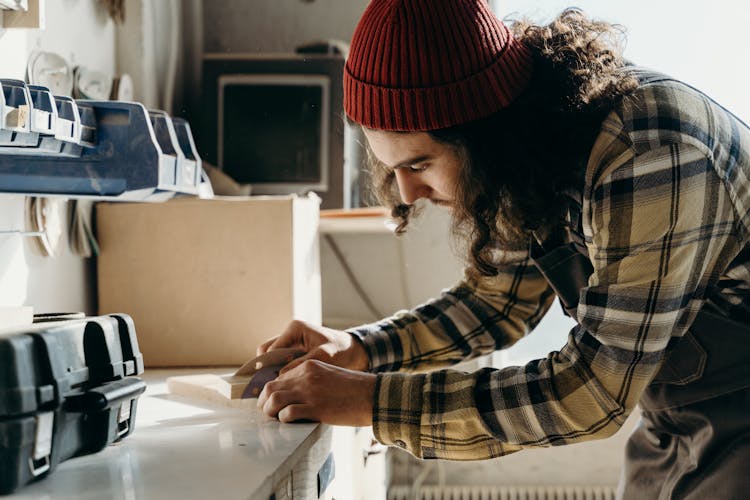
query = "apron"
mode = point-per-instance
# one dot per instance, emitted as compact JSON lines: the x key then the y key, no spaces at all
{"x":693,"y":441}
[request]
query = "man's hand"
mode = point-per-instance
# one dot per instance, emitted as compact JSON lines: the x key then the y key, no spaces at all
{"x":322,"y":393}
{"x":325,"y":344}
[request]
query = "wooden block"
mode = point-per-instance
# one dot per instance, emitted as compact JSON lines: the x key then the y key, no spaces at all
{"x":218,"y":388}
{"x":233,"y":386}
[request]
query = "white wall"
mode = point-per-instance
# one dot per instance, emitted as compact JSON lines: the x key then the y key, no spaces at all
{"x":80,"y":31}
{"x":702,"y":43}
{"x":148,"y":47}
{"x":276,"y":26}
{"x":395,"y":272}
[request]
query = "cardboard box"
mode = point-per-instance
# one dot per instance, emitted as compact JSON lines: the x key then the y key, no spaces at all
{"x":207,"y":281}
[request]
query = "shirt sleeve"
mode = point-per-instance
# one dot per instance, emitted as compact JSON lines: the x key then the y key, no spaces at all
{"x":476,"y":317}
{"x":659,"y":228}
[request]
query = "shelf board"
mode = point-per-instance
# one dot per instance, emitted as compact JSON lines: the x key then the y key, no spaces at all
{"x":357,"y":220}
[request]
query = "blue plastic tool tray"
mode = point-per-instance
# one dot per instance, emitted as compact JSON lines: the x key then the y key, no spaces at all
{"x":55,"y":145}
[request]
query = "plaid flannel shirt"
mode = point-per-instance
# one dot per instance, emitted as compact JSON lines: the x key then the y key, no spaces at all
{"x":665,"y":219}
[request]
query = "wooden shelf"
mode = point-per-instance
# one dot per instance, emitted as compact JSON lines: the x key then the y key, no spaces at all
{"x":356,"y":220}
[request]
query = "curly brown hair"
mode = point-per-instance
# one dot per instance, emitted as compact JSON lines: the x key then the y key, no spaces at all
{"x":518,"y":163}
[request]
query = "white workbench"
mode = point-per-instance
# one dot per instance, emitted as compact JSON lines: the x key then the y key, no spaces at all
{"x":189,"y":449}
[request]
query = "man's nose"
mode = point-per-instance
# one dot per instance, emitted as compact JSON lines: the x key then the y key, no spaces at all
{"x":410,"y":186}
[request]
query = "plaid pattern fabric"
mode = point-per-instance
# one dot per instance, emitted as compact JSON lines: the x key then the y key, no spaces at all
{"x":665,"y":219}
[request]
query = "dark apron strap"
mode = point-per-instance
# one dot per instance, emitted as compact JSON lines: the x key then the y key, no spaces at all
{"x":711,"y":359}
{"x":566,"y":270}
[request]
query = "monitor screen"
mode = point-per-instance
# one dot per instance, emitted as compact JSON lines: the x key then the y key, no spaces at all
{"x":273,"y":130}
{"x":275,"y":122}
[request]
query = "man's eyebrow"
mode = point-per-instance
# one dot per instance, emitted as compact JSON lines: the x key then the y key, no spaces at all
{"x":411,"y":161}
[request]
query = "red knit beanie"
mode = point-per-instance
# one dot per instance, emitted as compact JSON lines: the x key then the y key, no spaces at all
{"x":418,"y":65}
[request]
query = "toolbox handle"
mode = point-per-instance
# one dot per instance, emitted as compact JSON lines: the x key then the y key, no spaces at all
{"x":109,"y":395}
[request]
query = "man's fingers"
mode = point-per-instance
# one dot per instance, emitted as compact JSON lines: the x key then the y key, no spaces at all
{"x":318,"y":354}
{"x":276,"y":401}
{"x":279,"y":343}
{"x":292,"y":336}
{"x":295,"y":412}
{"x":296,"y":362}
{"x":265,"y":346}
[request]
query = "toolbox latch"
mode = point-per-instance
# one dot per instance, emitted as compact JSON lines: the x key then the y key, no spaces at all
{"x":123,"y":418}
{"x":39,"y":462}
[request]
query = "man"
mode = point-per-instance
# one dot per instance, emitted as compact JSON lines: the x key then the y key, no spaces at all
{"x":569,"y":174}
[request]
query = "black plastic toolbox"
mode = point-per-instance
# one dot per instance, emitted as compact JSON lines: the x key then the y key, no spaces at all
{"x":67,"y":388}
